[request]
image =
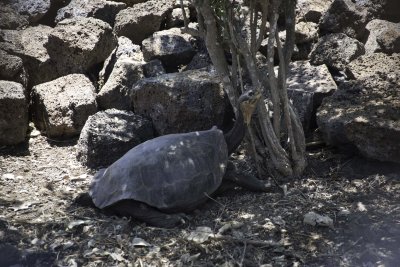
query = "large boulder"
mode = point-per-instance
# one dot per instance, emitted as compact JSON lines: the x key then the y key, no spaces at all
{"x":125,"y":49}
{"x":181,"y":102}
{"x":11,"y":18}
{"x":61,"y":107}
{"x":78,"y":44}
{"x":171,"y":46}
{"x":28,"y":44}
{"x":383,"y":36}
{"x":306,"y":32}
{"x":307,"y":86}
{"x":12,"y":68}
{"x":311,"y":10}
{"x":13,"y":113}
{"x":336,"y":51}
{"x":365,"y":113}
{"x":115,"y":92}
{"x":121,"y":70}
{"x":381,"y":9}
{"x":368,"y":65}
{"x":142,"y":20}
{"x":389,"y":40}
{"x":345,"y":16}
{"x":34,"y":10}
{"x":99,"y":9}
{"x":108,"y":135}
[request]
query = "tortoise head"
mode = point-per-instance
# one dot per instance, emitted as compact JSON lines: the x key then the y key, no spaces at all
{"x":248,"y":102}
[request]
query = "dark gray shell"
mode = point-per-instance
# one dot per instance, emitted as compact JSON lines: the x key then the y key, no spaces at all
{"x":171,"y":172}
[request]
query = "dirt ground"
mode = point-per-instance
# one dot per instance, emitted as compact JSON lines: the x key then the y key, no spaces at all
{"x":39,"y":180}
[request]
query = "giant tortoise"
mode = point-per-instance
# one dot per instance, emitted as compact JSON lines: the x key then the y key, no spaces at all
{"x":158,"y":179}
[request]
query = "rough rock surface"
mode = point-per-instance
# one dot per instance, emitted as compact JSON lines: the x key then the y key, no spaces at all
{"x":366,"y":114}
{"x":181,"y":102}
{"x":345,"y":16}
{"x":99,"y":9}
{"x":171,"y":46}
{"x":78,"y":44}
{"x":33,"y":9}
{"x":131,"y":2}
{"x":389,"y":40}
{"x":108,"y":135}
{"x":115,"y":92}
{"x":11,"y":18}
{"x":383,"y":36}
{"x":336,"y":51}
{"x":306,"y":32}
{"x":307,"y":86}
{"x":142,"y":20}
{"x":29,"y":45}
{"x":12,"y":68}
{"x":153,"y":68}
{"x":368,"y":65}
{"x":125,"y":48}
{"x":13,"y":113}
{"x":62,"y":106}
{"x":311,"y":10}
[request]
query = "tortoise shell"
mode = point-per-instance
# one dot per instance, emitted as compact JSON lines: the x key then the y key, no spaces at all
{"x":172,"y":172}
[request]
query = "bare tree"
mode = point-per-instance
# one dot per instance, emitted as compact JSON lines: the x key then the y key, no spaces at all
{"x":277,"y":141}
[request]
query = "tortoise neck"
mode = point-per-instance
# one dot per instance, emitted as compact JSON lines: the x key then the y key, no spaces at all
{"x":234,"y":137}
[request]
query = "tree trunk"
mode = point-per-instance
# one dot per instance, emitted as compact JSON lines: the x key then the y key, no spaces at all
{"x":266,"y":134}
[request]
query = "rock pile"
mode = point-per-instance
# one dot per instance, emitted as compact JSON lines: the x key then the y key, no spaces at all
{"x":120,"y":66}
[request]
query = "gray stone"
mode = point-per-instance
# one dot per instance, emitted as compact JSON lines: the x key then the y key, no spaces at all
{"x":368,"y":65}
{"x":13,"y":113}
{"x":171,"y":46}
{"x":381,"y":9}
{"x":380,"y":30}
{"x":108,"y":135}
{"x":306,"y":32}
{"x":311,"y":10}
{"x":336,"y":51}
{"x":130,"y":3}
{"x":115,"y":92}
{"x":61,"y":107}
{"x":12,"y":69}
{"x":365,"y":113}
{"x":307,"y":86}
{"x":200,"y":60}
{"x":28,"y":44}
{"x":142,"y":20}
{"x":125,"y":48}
{"x":80,"y":43}
{"x":181,"y":102}
{"x":99,"y":9}
{"x":389,"y":40}
{"x":33,"y":9}
{"x":11,"y":19}
{"x":153,"y":68}
{"x":344,"y":16}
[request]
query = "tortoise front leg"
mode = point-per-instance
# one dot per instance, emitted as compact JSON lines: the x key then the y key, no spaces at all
{"x":146,"y":213}
{"x":246,"y":180}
